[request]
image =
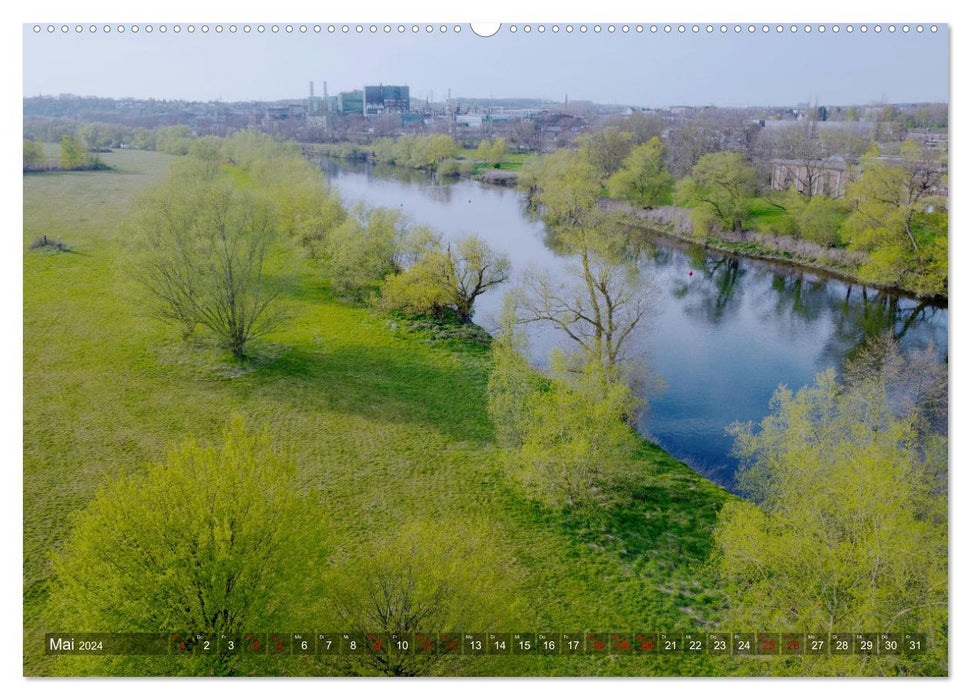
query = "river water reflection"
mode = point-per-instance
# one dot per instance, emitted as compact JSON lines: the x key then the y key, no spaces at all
{"x":724,"y":337}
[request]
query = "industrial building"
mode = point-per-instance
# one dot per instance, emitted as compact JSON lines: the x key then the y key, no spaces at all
{"x":351,"y":102}
{"x":382,"y":99}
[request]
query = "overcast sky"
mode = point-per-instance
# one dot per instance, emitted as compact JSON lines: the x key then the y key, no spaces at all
{"x":638,"y":69}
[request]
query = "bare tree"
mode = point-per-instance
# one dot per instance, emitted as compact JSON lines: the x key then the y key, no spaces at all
{"x":202,"y":250}
{"x":472,"y":269}
{"x":601,"y":304}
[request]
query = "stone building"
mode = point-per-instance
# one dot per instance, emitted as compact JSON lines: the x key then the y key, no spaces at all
{"x":828,"y":176}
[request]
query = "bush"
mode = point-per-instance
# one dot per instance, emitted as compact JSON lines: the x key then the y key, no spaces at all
{"x":449,"y":166}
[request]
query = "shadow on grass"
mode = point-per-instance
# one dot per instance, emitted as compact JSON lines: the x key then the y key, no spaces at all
{"x":661,"y":526}
{"x":380,"y":383}
{"x":670,"y":513}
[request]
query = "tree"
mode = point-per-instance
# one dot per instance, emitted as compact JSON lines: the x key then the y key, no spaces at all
{"x":472,"y":269}
{"x":527,"y":135}
{"x":567,"y":436}
{"x":568,"y":187}
{"x":214,"y":539}
{"x":422,"y":151}
{"x":800,"y":143}
{"x":361,"y":251}
{"x":575,"y":446}
{"x":74,"y":153}
{"x":602,"y":301}
{"x":606,"y":149}
{"x":174,"y":140}
{"x":900,"y":218}
{"x":446,"y":277}
{"x":33,"y":155}
{"x":492,"y":152}
{"x":642,"y":126}
{"x":307,"y":209}
{"x":421,"y":289}
{"x":816,"y":219}
{"x":512,"y":382}
{"x":643,"y":180}
{"x":848,"y":528}
{"x":719,"y":188}
{"x":201,"y":252}
{"x":423,"y":579}
{"x":689,"y":141}
{"x":209,"y":151}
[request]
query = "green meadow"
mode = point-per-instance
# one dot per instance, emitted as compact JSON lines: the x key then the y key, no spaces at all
{"x":387,"y":425}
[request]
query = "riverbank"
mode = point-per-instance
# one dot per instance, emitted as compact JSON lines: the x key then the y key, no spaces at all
{"x":675,"y":223}
{"x":505,"y":173}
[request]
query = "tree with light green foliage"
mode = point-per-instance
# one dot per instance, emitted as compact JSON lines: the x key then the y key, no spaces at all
{"x":576,"y":445}
{"x":74,"y":153}
{"x":718,"y":191}
{"x":423,"y":578}
{"x":492,"y":152}
{"x":446,"y":276}
{"x":529,"y":176}
{"x":174,"y":140}
{"x":643,"y":180}
{"x":901,"y":221}
{"x":817,"y":218}
{"x":568,"y":188}
{"x":847,"y":527}
{"x":208,"y":150}
{"x":422,"y":151}
{"x":567,"y":437}
{"x":215,"y":539}
{"x":361,"y":251}
{"x":512,"y":381}
{"x":307,"y":207}
{"x":422,"y":289}
{"x":820,"y":220}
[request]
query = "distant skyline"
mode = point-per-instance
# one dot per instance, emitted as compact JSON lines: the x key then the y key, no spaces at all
{"x":636,"y":69}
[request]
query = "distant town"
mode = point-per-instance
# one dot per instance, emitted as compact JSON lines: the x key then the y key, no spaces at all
{"x":388,"y":110}
{"x":365,"y":114}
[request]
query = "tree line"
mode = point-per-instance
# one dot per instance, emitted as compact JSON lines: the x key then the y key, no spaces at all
{"x":212,"y":245}
{"x":437,"y":153}
{"x":892,"y":212}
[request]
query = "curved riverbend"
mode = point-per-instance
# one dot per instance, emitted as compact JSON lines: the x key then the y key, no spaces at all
{"x":724,"y":337}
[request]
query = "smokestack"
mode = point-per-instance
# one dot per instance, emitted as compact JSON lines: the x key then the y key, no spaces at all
{"x":311,"y":89}
{"x":325,"y":89}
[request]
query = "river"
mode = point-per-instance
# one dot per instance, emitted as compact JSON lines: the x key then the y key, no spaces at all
{"x":726,"y":331}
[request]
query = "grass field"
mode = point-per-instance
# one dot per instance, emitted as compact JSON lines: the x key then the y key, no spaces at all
{"x":512,"y":161}
{"x":764,"y":214}
{"x":386,"y":425}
